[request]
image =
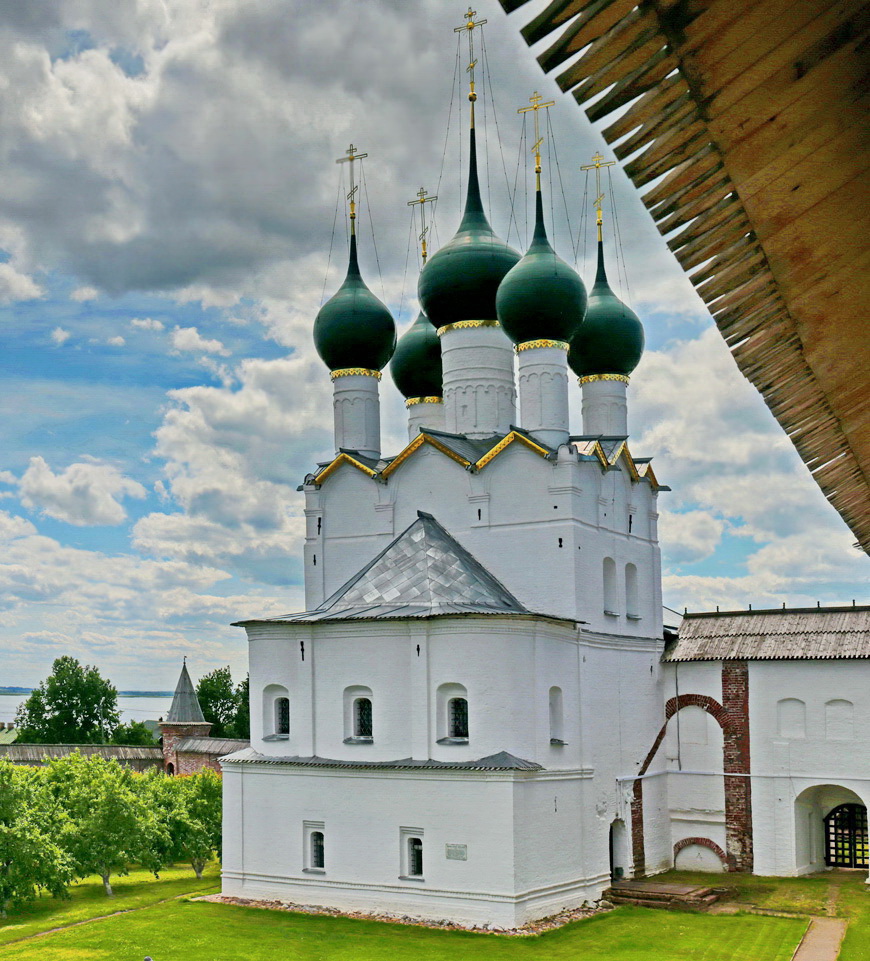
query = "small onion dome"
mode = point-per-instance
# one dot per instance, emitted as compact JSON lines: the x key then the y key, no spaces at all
{"x":541,"y":297}
{"x":416,"y":364}
{"x":353,"y":328}
{"x":461,"y":280}
{"x":610,"y":339}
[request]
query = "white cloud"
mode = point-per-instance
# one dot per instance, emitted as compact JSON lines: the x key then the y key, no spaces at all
{"x":15,"y":286}
{"x":83,"y":494}
{"x":189,"y":339}
{"x":117,"y":341}
{"x":146,"y":323}
{"x":82,"y":294}
{"x":60,"y":336}
{"x":689,"y":535}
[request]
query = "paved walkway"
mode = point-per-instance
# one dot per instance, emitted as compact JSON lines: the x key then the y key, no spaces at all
{"x":822,"y":940}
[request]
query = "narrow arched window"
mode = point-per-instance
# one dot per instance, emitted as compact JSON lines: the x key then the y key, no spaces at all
{"x":457,"y":713}
{"x":415,"y":857}
{"x":362,"y":717}
{"x":556,"y":716}
{"x":631,"y":596}
{"x":282,"y":715}
{"x":611,"y":604}
{"x":317,"y":857}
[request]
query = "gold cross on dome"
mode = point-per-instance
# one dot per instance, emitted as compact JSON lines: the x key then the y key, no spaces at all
{"x":422,"y":201}
{"x":352,"y":155}
{"x":597,"y":163}
{"x":536,"y":105}
{"x":469,"y":27}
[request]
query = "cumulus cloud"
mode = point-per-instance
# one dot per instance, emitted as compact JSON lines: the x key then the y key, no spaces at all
{"x":60,"y":336}
{"x":189,"y":339}
{"x":146,"y":323}
{"x":82,"y":294}
{"x":16,"y":286}
{"x":83,"y":494}
{"x":689,"y":535}
{"x":117,"y":341}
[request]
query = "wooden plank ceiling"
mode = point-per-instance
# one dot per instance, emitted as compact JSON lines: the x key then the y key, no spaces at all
{"x":751,"y":115}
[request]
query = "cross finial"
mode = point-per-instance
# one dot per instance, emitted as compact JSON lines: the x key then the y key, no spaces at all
{"x":352,"y":155}
{"x":469,"y":27}
{"x":536,"y":105}
{"x":422,"y":201}
{"x":597,"y":163}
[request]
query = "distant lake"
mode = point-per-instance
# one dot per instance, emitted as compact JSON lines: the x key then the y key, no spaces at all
{"x":133,"y":707}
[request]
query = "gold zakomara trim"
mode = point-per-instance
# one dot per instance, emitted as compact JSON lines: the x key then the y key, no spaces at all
{"x":343,"y":458}
{"x":533,"y":344}
{"x":465,"y":324}
{"x":354,"y":371}
{"x":416,"y":444}
{"x":506,"y":442}
{"x":589,"y":378}
{"x":411,"y":401}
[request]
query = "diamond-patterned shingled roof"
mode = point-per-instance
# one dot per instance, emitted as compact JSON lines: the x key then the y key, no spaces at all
{"x":423,"y":572}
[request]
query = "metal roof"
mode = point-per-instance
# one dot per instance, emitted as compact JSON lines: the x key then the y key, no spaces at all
{"x":424,"y":572}
{"x":801,"y":633}
{"x":19,"y":753}
{"x":185,"y":707}
{"x":210,"y":745}
{"x":494,"y":762}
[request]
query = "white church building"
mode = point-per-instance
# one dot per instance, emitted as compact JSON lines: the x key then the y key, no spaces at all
{"x":479,"y":715}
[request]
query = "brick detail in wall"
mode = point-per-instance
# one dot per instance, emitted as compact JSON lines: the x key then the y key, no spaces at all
{"x":733,"y":717}
{"x":704,"y":843}
{"x":173,"y":733}
{"x":738,"y":790}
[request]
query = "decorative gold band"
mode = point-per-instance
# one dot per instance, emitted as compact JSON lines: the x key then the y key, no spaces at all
{"x":411,"y":401}
{"x":354,"y":372}
{"x":532,"y":344}
{"x":589,"y":378}
{"x":463,"y":324}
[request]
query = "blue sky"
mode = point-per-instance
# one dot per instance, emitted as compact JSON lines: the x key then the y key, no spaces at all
{"x":166,"y":231}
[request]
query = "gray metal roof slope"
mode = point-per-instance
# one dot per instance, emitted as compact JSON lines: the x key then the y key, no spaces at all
{"x":796,"y":634}
{"x":210,"y":745}
{"x":185,"y":707}
{"x":424,"y":572}
{"x":503,"y":761}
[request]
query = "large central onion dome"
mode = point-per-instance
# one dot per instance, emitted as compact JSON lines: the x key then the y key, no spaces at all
{"x":353,"y":328}
{"x":461,"y":280}
{"x":541,"y":297}
{"x":416,"y":364}
{"x":610,"y":340}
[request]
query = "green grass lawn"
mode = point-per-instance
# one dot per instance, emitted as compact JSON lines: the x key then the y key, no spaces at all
{"x":807,"y":895}
{"x":854,"y":903}
{"x":135,"y":890}
{"x":196,"y":931}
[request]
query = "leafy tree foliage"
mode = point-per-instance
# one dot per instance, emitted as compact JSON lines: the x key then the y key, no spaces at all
{"x":113,"y":825}
{"x":134,"y":733}
{"x":190,"y":809}
{"x":74,"y":705}
{"x":226,"y":707}
{"x":32,"y":832}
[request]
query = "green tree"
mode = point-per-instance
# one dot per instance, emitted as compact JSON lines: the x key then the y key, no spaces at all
{"x":241,"y":726}
{"x":218,"y":700}
{"x":74,"y":705}
{"x":112,"y":824}
{"x":32,"y":829}
{"x":189,"y":809}
{"x":134,"y":733}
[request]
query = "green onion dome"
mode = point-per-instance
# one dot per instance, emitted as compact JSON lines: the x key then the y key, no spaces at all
{"x":610,"y":339}
{"x":541,"y":297}
{"x":353,"y":328}
{"x":416,"y":364}
{"x":461,"y":280}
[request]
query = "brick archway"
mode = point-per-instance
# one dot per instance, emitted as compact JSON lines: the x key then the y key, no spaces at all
{"x":704,"y":843}
{"x":733,"y":717}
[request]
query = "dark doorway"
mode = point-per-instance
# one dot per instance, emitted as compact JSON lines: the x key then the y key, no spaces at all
{"x":617,"y":850}
{"x":846,"y":837}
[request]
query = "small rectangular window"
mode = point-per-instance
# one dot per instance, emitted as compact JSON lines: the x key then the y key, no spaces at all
{"x":313,"y":847}
{"x":458,"y":709}
{"x":317,"y":860}
{"x":411,"y":854}
{"x":415,"y":857}
{"x":282,"y":715}
{"x":363,"y":717}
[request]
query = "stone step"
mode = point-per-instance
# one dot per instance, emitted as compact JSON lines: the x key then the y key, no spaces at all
{"x":652,"y":896}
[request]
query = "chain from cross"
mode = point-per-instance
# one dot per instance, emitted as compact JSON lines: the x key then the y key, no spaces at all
{"x":536,"y":105}
{"x":352,"y":156}
{"x":422,"y":201}
{"x":597,"y":163}
{"x":469,"y":27}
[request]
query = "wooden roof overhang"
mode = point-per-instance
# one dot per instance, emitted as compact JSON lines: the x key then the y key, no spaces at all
{"x":751,"y":116}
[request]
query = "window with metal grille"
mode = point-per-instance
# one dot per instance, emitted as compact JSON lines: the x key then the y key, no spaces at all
{"x":415,"y":857}
{"x":362,"y":717}
{"x":457,"y":711}
{"x":282,"y":715}
{"x":317,"y":849}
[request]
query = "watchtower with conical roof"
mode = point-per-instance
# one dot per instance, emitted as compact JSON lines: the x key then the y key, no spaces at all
{"x":185,"y":719}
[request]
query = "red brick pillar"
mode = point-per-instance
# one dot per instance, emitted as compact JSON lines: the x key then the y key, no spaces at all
{"x":738,"y":790}
{"x":173,"y":733}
